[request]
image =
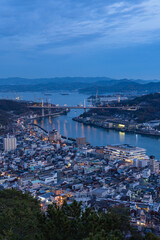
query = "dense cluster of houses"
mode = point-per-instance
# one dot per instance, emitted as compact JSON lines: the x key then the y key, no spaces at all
{"x":54,"y":170}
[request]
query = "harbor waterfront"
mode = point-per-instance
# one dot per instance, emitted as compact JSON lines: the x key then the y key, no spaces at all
{"x":97,"y":136}
{"x":94,"y":135}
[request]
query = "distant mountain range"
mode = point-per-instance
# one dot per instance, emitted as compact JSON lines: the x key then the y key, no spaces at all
{"x":88,"y":85}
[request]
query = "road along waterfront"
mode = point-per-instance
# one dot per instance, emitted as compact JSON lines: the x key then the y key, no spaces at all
{"x":95,"y":136}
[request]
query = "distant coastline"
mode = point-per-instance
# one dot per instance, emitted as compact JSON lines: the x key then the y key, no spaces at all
{"x":85,"y":85}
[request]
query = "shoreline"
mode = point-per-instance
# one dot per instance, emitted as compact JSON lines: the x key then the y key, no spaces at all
{"x":64,"y":112}
{"x":118,"y":130}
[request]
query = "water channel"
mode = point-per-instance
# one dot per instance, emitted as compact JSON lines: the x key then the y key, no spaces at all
{"x":96,"y":136}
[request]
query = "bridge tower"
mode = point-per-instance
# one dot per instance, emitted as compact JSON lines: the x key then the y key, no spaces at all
{"x":84,"y":105}
{"x":42,"y":108}
{"x":49,"y":108}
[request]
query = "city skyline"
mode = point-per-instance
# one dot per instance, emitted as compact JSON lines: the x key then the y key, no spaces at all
{"x":118,"y":39}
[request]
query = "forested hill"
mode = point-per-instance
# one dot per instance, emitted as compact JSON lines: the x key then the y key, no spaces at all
{"x":82,"y":84}
{"x":17,"y":107}
{"x":148,"y":108}
{"x":9,"y":109}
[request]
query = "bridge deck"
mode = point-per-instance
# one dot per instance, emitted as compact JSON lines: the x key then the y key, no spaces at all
{"x":75,"y":107}
{"x":82,"y":107}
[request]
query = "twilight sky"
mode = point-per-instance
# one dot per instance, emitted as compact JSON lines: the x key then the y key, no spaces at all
{"x":46,"y":38}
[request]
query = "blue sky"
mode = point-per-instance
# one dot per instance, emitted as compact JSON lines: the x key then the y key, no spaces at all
{"x":46,"y":38}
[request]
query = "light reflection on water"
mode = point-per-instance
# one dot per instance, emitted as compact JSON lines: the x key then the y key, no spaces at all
{"x":99,"y":136}
{"x":121,"y":136}
{"x":96,"y":136}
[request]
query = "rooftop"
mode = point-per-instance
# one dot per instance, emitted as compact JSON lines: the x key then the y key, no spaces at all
{"x":124,"y":147}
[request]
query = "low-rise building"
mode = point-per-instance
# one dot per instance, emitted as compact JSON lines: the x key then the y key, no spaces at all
{"x":126,"y":152}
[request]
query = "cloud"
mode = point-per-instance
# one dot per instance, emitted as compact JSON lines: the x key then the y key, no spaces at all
{"x":67,"y":25}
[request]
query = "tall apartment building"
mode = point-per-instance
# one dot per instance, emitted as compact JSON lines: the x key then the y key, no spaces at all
{"x":9,"y":143}
{"x":154,"y":165}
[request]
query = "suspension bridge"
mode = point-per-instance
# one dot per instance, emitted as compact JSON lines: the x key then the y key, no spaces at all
{"x":49,"y":106}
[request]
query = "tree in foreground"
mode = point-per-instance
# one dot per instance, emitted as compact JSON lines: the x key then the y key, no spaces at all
{"x":21,"y":218}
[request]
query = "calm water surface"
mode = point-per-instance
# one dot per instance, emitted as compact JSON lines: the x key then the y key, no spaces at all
{"x":96,"y":136}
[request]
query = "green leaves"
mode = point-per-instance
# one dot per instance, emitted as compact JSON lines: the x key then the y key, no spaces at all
{"x":115,"y":235}
{"x":151,"y":236}
{"x":21,"y":218}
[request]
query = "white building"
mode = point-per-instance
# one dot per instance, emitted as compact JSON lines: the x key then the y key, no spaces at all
{"x":154,"y":166}
{"x":140,"y":163}
{"x":126,"y":152}
{"x":9,"y":143}
{"x":50,"y":178}
{"x":146,"y":173}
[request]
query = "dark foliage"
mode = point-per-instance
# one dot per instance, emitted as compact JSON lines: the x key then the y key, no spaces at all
{"x":22,"y":219}
{"x":149,"y":109}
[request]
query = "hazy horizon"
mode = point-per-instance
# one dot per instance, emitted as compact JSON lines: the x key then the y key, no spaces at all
{"x":107,"y":78}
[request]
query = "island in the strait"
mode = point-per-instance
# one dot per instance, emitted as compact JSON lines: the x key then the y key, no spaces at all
{"x":139,"y":115}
